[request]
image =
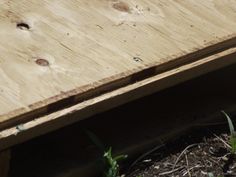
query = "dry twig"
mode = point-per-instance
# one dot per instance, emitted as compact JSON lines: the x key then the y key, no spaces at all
{"x":226,"y":144}
{"x":186,"y":158}
{"x":177,"y":160}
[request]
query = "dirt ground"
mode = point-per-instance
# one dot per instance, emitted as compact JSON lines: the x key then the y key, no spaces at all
{"x":211,"y":156}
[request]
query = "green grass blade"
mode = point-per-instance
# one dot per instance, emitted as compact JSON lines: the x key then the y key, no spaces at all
{"x":231,"y":126}
{"x":232,"y":132}
{"x":120,"y":157}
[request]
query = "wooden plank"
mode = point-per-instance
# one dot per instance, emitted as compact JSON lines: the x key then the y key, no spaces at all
{"x":5,"y":157}
{"x":56,"y":120}
{"x":58,"y":53}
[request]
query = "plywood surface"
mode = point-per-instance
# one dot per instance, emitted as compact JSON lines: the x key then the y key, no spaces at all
{"x":53,"y":50}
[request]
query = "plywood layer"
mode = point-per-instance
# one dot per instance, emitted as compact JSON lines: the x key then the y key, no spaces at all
{"x":52,"y":50}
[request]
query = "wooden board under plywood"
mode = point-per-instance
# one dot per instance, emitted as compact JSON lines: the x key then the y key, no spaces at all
{"x":56,"y":53}
{"x":5,"y":157}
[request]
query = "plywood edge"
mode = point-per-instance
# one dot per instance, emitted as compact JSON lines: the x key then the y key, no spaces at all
{"x":44,"y":124}
{"x":75,"y":96}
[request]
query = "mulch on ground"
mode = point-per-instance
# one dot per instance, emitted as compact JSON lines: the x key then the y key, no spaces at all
{"x":212,"y":155}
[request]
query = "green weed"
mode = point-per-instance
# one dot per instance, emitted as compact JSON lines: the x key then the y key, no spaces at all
{"x":232,"y":140}
{"x":112,"y":163}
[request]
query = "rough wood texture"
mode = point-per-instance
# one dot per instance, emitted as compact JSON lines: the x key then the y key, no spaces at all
{"x":5,"y":157}
{"x":55,"y":50}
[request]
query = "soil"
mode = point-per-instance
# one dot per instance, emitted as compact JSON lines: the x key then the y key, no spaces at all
{"x":185,"y":157}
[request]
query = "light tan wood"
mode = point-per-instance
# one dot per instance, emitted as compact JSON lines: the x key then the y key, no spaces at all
{"x":58,"y":119}
{"x":54,"y":50}
{"x":5,"y":157}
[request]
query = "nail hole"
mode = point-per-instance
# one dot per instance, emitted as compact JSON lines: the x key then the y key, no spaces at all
{"x":42,"y":62}
{"x":23,"y":26}
{"x":137,"y":59}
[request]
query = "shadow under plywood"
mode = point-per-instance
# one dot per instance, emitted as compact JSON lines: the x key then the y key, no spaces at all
{"x":130,"y":128}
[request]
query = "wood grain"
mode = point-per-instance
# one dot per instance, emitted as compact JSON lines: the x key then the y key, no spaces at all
{"x":56,"y":53}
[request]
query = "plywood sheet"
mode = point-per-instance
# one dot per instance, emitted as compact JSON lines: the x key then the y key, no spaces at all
{"x":53,"y":50}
